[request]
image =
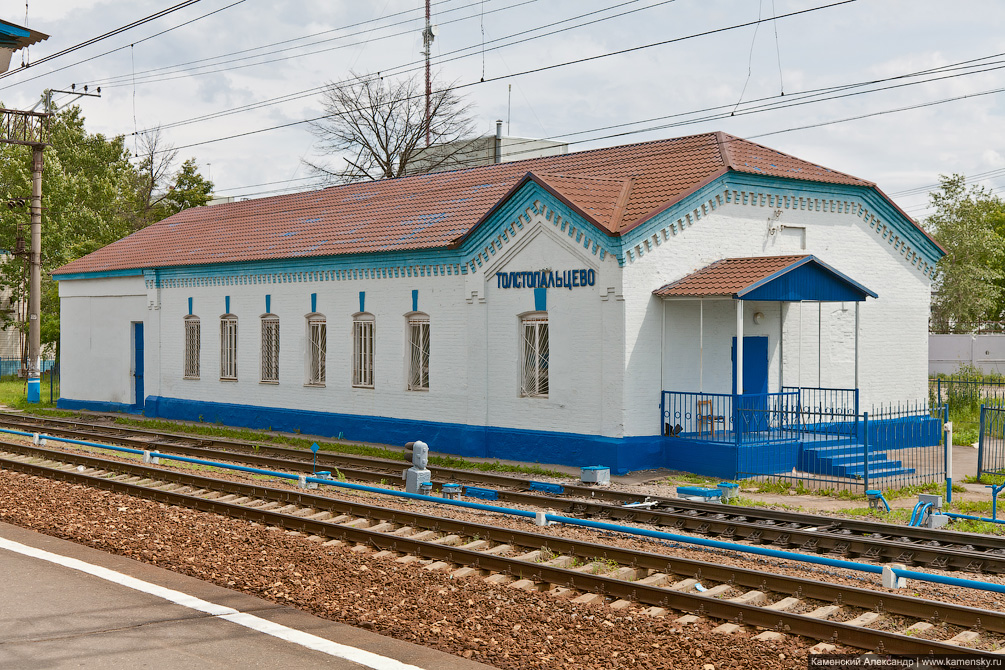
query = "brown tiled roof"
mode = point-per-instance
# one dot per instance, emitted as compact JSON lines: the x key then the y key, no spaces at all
{"x":616,"y":188}
{"x":728,"y":276}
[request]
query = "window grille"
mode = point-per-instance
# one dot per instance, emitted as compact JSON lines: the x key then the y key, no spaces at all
{"x":228,"y":347}
{"x":362,"y":347}
{"x":270,"y":349}
{"x":192,"y":343}
{"x":418,"y":348}
{"x":318,"y":337}
{"x":534,"y":380}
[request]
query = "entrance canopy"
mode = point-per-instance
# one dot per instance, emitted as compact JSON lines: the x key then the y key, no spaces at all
{"x":768,"y":278}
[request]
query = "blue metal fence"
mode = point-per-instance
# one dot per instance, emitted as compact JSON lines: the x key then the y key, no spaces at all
{"x":726,"y":419}
{"x":814,"y":435}
{"x":959,"y":393}
{"x":991,"y":444}
{"x":10,"y":367}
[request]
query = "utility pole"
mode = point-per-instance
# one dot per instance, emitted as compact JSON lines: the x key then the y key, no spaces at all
{"x":31,"y":129}
{"x":428,"y":35}
{"x":28,"y":129}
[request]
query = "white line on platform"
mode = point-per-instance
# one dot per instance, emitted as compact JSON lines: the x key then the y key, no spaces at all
{"x":369,"y":659}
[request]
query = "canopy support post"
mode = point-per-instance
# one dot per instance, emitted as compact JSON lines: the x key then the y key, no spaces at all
{"x":739,"y":347}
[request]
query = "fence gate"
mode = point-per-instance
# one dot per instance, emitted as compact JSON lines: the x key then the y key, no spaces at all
{"x":991,"y":448}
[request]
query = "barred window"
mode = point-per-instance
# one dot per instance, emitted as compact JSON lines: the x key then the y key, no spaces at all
{"x":534,"y":377}
{"x":270,"y":348}
{"x":228,"y":347}
{"x":317,"y":337}
{"x":192,"y":343}
{"x":362,"y":350}
{"x":418,"y":352}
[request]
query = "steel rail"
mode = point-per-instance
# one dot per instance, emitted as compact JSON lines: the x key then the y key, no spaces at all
{"x":752,"y":615}
{"x":939,"y":549}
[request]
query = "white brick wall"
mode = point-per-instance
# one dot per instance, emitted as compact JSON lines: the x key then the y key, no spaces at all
{"x":606,"y":339}
{"x":96,"y":339}
{"x":893,"y":328}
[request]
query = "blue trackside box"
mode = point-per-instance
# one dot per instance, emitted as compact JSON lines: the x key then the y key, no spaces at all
{"x":698,"y":492}
{"x":544,"y":487}
{"x":484,"y":494}
{"x":595,"y":474}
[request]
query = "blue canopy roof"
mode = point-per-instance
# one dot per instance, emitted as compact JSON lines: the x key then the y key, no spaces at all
{"x":17,"y":37}
{"x":772,"y":278}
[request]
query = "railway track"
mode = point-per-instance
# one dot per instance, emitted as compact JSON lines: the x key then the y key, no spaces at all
{"x":564,"y":568}
{"x":853,"y":538}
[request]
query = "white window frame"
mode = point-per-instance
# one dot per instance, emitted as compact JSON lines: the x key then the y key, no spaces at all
{"x":270,"y":349}
{"x":317,"y":349}
{"x":363,"y":339}
{"x":418,"y":352}
{"x":193,"y":347}
{"x":228,"y":347}
{"x":535,"y":355}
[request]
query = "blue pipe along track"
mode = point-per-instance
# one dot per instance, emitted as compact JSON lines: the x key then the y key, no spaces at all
{"x":586,"y":523}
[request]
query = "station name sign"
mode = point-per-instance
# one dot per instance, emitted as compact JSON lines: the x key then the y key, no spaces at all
{"x":569,"y":279}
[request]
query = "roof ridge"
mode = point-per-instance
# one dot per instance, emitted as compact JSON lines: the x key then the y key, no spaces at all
{"x":727,"y":156}
{"x":733,"y":138}
{"x":622,"y":203}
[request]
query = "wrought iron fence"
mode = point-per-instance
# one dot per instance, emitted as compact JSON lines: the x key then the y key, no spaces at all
{"x":963,"y":393}
{"x":821,"y":407}
{"x":887,"y":448}
{"x":815,"y":436}
{"x":991,"y":443}
{"x":728,"y":419}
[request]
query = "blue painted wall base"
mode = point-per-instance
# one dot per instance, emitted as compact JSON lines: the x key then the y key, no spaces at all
{"x":34,"y":390}
{"x":622,"y":455}
{"x":98,"y":406}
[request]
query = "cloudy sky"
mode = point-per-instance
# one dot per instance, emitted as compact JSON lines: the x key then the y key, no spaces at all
{"x":894,"y":91}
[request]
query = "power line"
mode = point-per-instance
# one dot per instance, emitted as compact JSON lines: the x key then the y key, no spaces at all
{"x":178,"y":68}
{"x":416,"y":65}
{"x":546,"y":68}
{"x":106,"y":53}
{"x":298,"y":95}
{"x":104,"y":36}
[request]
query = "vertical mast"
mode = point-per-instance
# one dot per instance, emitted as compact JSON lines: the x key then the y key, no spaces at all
{"x":427,"y":41}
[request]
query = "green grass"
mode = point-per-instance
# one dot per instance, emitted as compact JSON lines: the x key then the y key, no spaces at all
{"x":13,"y":393}
{"x":985,"y":478}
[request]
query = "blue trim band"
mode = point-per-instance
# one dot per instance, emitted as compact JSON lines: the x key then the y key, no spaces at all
{"x":541,"y":300}
{"x":129,"y":272}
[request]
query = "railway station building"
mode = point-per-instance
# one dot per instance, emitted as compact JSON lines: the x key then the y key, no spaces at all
{"x":581,"y":309}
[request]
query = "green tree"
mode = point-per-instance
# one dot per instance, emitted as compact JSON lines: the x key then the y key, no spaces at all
{"x":969,"y":223}
{"x":190,"y":189}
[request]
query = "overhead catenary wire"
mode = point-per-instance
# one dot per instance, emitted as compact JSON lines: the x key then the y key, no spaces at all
{"x":299,"y":95}
{"x":542,"y":69}
{"x":413,"y":66}
{"x":104,"y":36}
{"x":158,"y":34}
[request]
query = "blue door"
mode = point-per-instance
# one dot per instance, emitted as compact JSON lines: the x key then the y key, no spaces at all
{"x":138,"y":362}
{"x":755,"y":364}
{"x":751,"y":413}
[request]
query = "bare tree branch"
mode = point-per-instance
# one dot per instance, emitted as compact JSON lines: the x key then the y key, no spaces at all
{"x":382,"y":122}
